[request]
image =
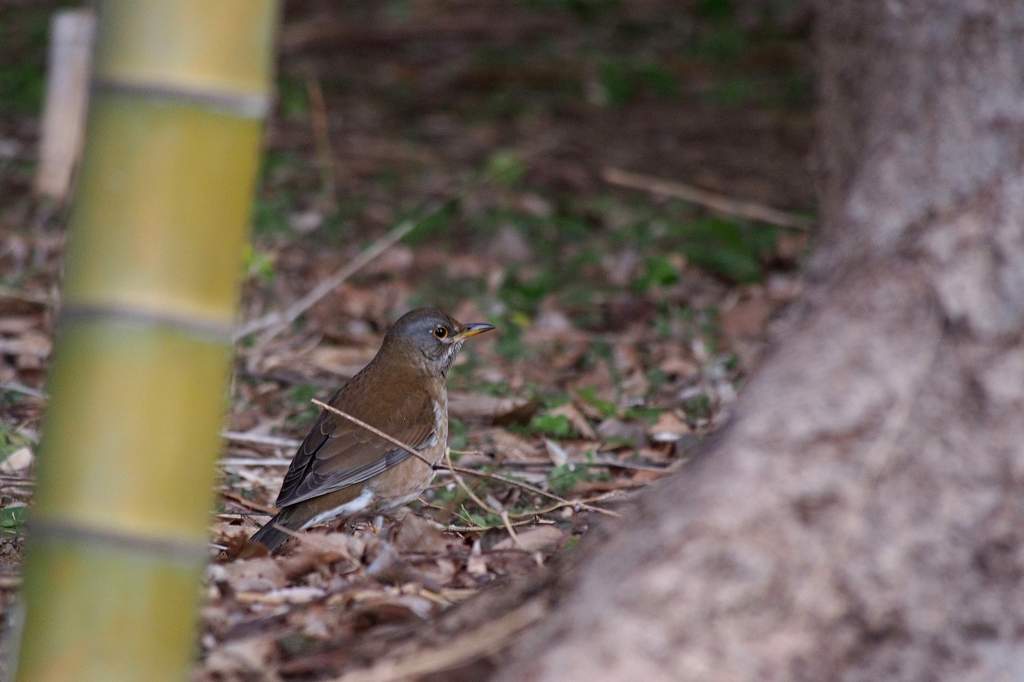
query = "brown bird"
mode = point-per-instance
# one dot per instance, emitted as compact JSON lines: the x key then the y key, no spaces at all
{"x":342,"y":470}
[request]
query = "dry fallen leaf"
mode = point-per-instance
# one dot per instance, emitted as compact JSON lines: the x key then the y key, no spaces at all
{"x":533,"y":539}
{"x":340,"y":360}
{"x":250,"y":575}
{"x":556,"y":452}
{"x":247,"y":655}
{"x":576,"y":418}
{"x":668,"y":429}
{"x":18,"y":461}
{"x":679,"y":366}
{"x":748,"y":317}
{"x":510,"y":447}
{"x":284,"y":595}
{"x":416,"y":534}
{"x":614,"y":429}
{"x":490,"y":408}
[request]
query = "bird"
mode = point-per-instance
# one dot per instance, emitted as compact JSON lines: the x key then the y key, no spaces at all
{"x":342,"y":470}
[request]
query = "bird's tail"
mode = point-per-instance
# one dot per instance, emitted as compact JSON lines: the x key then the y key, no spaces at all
{"x":269,"y":536}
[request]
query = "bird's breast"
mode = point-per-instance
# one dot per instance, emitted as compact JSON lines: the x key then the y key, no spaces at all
{"x":440,"y":426}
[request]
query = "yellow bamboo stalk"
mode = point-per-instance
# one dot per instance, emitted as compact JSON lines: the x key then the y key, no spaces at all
{"x":117,"y":535}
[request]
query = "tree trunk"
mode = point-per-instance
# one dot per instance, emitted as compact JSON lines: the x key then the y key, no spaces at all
{"x":862,"y":519}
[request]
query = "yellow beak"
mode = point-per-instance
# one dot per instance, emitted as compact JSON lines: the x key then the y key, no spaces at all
{"x":473,"y":329}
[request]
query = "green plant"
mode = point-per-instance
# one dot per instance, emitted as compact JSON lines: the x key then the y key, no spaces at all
{"x":589,"y":395}
{"x":658,"y":272}
{"x":697,"y":407}
{"x":564,"y":477}
{"x":623,"y":81}
{"x":457,"y":435}
{"x":12,"y":519}
{"x":505,"y":167}
{"x":555,"y":425}
{"x":727,"y":248}
{"x":10,"y":440}
{"x":304,"y":411}
{"x":293,"y":98}
{"x":270,"y":214}
{"x":259,"y":264}
{"x":22,"y":81}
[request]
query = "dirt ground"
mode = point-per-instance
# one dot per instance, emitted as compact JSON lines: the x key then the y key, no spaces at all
{"x":528,"y":163}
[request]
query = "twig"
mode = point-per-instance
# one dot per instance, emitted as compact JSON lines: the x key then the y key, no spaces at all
{"x":511,"y":531}
{"x":228,"y":462}
{"x":597,"y":463}
{"x":481,"y":529}
{"x":536,"y":490}
{"x":276,"y":322}
{"x":8,"y":582}
{"x":15,"y":387}
{"x":374,"y":430}
{"x":274,"y":441}
{"x":477,"y":642}
{"x":711,"y":200}
{"x":248,"y":504}
{"x":394,"y":441}
{"x":25,"y":296}
{"x":469,"y":491}
{"x":557,"y":506}
{"x":480,"y":503}
{"x":321,"y":136}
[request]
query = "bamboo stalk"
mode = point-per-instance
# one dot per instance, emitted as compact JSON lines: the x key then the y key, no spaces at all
{"x":118,"y":530}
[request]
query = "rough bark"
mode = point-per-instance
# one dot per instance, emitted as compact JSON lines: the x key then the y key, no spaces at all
{"x":863,"y":518}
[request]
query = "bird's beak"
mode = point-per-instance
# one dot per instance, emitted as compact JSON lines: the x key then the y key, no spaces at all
{"x":473,"y":329}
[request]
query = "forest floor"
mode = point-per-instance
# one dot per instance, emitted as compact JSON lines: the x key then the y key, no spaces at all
{"x":521,"y":172}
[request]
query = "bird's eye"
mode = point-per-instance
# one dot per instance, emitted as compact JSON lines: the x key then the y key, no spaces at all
{"x":440,"y":331}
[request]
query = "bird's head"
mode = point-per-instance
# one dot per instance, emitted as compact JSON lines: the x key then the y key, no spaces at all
{"x":430,"y":339}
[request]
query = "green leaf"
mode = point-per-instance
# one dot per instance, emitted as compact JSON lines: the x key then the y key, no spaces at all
{"x":555,"y":425}
{"x":727,"y":248}
{"x":658,"y":271}
{"x":698,"y":407}
{"x":589,"y":395}
{"x":12,"y":519}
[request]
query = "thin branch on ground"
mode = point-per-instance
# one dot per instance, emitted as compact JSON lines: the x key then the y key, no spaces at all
{"x":276,"y":322}
{"x":25,"y":296}
{"x":374,"y":430}
{"x":248,"y":504}
{"x":535,"y":489}
{"x":561,"y":505}
{"x":231,"y":462}
{"x":448,"y":461}
{"x":456,"y":528}
{"x":469,"y":491}
{"x":713,"y":201}
{"x":319,"y":121}
{"x":257,"y":439}
{"x":511,"y":531}
{"x":597,"y":463}
{"x":15,"y":387}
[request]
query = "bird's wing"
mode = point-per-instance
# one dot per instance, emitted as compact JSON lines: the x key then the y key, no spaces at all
{"x":337,"y":453}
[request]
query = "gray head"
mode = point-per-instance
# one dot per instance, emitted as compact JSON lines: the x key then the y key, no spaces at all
{"x":433,"y":337}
